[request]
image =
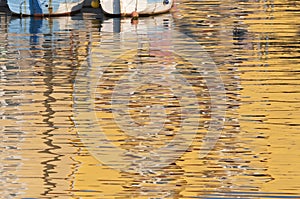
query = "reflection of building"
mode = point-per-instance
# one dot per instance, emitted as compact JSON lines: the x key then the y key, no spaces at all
{"x":253,"y":43}
{"x":229,"y":167}
{"x":272,"y":95}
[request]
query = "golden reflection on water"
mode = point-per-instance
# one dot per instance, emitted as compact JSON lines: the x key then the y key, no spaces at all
{"x":255,"y":47}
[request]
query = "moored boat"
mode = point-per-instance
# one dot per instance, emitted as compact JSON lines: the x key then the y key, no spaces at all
{"x":142,"y":7}
{"x":44,"y":7}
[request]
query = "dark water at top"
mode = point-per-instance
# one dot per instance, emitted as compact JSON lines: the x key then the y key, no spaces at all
{"x":85,"y":99}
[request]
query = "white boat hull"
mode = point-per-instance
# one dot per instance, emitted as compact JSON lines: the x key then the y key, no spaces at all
{"x":143,"y":7}
{"x":44,"y":7}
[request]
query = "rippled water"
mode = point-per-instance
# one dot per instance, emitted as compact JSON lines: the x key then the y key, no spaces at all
{"x":85,"y":99}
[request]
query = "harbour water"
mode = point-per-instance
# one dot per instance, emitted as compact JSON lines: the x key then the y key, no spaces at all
{"x":85,"y":99}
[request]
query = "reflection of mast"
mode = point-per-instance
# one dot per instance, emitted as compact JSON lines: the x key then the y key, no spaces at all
{"x":35,"y":26}
{"x":51,"y":163}
{"x":58,"y":159}
{"x":49,"y":167}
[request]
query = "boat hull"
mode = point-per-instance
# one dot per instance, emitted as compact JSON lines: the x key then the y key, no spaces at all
{"x":44,"y":7}
{"x":143,"y":7}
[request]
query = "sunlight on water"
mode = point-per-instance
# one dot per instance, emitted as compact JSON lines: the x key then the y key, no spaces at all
{"x":88,"y":103}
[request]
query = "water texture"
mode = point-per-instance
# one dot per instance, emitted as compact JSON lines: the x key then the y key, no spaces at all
{"x":202,"y":102}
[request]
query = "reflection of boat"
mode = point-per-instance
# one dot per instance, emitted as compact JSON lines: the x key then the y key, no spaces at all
{"x":113,"y":35}
{"x":125,"y":25}
{"x":40,"y":60}
{"x":41,"y":8}
{"x":37,"y":30}
{"x":134,"y":56}
{"x":31,"y":25}
{"x":144,"y":7}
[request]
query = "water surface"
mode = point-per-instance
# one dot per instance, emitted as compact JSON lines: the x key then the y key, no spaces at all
{"x":61,"y":84}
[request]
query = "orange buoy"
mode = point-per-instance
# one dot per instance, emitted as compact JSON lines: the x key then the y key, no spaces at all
{"x":135,"y":15}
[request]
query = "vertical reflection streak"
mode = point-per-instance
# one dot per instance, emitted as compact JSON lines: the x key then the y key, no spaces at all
{"x":49,"y":165}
